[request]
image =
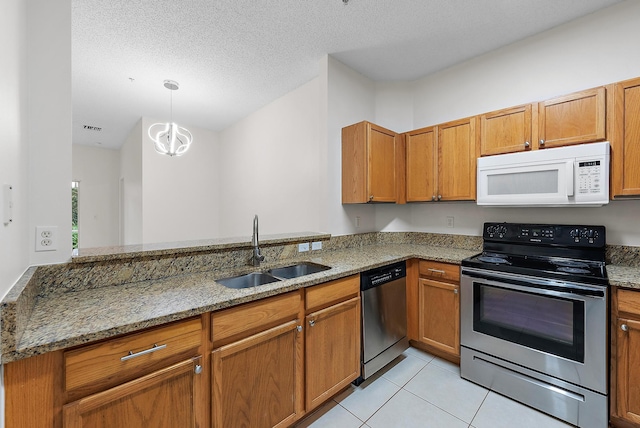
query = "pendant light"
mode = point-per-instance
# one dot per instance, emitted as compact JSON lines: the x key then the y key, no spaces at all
{"x":169,"y":138}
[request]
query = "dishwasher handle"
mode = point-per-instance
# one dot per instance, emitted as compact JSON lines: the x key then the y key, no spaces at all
{"x":382,"y":275}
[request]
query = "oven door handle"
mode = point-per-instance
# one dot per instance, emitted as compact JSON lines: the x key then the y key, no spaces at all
{"x":540,"y":286}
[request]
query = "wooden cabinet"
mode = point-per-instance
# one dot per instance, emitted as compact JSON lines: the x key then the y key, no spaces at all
{"x":332,"y":354}
{"x":441,"y":162}
{"x":257,"y":363}
{"x":506,"y":131}
{"x":167,"y":398}
{"x":626,"y":402}
{"x":422,"y":164}
{"x":625,"y":140}
{"x":573,"y":119}
{"x":372,"y":164}
{"x":438,"y":319}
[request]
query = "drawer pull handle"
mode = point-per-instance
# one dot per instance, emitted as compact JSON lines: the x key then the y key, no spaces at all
{"x":441,"y":272}
{"x":624,"y":327}
{"x":154,"y":348}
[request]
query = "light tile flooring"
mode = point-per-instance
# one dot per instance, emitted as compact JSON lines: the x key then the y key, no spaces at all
{"x":420,"y":390}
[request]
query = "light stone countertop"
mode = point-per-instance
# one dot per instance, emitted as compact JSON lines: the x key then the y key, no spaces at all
{"x":68,"y":319}
{"x":65,"y":319}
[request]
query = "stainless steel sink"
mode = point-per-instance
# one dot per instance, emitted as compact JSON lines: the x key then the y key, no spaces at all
{"x":299,"y":269}
{"x":249,"y":280}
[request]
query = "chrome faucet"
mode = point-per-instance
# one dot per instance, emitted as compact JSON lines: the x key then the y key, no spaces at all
{"x":256,"y":258}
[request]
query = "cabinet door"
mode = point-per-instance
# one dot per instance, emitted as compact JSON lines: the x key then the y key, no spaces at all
{"x":167,"y":398}
{"x":628,"y":369}
{"x":332,"y":350}
{"x":457,"y":153}
{"x":421,"y":164}
{"x":439,"y":315}
{"x":381,"y":164}
{"x":257,"y":381}
{"x":506,"y":131}
{"x":625,"y":142}
{"x":572,"y":119}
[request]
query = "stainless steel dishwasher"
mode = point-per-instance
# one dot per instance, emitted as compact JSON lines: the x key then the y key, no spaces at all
{"x":384,"y":317}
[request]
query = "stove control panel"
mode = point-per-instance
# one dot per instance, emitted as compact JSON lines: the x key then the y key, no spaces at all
{"x":566,"y":235}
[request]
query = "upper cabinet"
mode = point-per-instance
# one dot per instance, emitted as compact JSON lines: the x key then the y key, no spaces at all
{"x":457,"y":154}
{"x":625,"y":140}
{"x":371,"y":158}
{"x":441,"y":162}
{"x":506,"y":131}
{"x":572,"y":119}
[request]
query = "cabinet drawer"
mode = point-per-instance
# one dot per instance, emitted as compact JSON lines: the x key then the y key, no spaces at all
{"x":438,"y":270}
{"x":254,"y":316}
{"x":331,"y":292}
{"x":629,"y":301}
{"x":120,"y":359}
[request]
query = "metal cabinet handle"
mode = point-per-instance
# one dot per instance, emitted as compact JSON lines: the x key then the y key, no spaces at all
{"x":299,"y":328}
{"x":371,"y":197}
{"x":624,"y":327}
{"x":436,"y":271}
{"x":439,"y":197}
{"x":455,"y":291}
{"x":312,"y":323}
{"x":198,"y":369}
{"x":131,"y":355}
{"x":526,"y":144}
{"x":433,"y":198}
{"x":542,"y":142}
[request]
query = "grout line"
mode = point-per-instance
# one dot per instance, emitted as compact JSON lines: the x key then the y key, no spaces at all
{"x":476,"y":413}
{"x":437,"y":407}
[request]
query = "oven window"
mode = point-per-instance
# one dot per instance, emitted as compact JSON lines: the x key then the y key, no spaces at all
{"x":550,"y":324}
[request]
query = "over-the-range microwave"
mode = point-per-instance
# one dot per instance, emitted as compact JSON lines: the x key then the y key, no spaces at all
{"x":564,"y":176}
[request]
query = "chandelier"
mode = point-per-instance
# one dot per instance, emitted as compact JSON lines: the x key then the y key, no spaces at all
{"x":169,"y":138}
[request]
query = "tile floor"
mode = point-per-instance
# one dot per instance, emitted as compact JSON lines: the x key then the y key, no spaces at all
{"x":420,"y":390}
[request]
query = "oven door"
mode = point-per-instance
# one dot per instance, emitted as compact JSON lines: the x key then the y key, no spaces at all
{"x":553,"y":327}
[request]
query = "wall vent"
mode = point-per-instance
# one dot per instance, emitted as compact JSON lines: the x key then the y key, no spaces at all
{"x":92,"y":128}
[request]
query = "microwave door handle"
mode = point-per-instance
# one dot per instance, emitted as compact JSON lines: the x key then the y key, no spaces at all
{"x":570,"y":184}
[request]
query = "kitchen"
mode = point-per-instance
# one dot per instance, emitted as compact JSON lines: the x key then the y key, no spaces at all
{"x":499,"y":79}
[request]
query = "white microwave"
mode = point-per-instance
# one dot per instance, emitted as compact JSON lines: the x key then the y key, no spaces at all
{"x":565,"y":176}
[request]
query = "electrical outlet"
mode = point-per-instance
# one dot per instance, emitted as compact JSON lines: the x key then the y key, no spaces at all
{"x":46,"y":238}
{"x":450,"y":221}
{"x":316,"y":245}
{"x":303,"y":247}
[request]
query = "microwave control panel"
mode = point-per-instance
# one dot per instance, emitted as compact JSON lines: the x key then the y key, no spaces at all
{"x":589,"y":177}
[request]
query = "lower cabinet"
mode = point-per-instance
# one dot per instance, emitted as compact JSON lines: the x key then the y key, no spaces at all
{"x":626,"y":404}
{"x":257,"y":363}
{"x":332,"y":354}
{"x":437,"y":312}
{"x":167,"y":398}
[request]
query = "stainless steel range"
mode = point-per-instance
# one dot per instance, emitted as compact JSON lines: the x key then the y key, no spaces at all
{"x":534,"y":318}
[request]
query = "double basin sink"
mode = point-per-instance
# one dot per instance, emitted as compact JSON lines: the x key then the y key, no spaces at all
{"x":254,"y":279}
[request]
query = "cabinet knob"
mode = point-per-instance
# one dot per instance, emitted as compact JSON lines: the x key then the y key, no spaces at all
{"x":198,"y":369}
{"x":370,"y":197}
{"x":433,"y":198}
{"x":542,"y":142}
{"x":299,"y":328}
{"x":439,"y":197}
{"x":526,"y":145}
{"x":624,"y":327}
{"x":312,"y":322}
{"x":455,"y":291}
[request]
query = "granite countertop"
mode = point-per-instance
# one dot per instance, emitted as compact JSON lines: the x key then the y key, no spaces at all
{"x":80,"y":315}
{"x":68,"y":319}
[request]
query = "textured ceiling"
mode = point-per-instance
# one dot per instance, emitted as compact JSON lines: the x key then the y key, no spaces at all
{"x":232,"y":57}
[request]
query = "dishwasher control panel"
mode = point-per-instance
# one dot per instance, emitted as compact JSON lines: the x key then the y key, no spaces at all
{"x":382,"y":275}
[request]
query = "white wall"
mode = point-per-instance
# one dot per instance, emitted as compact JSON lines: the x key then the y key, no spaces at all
{"x":130,"y":188}
{"x":180,"y":195}
{"x":350,"y":99}
{"x":595,"y":50}
{"x":98,"y":172}
{"x":270,"y":166}
{"x":49,"y":124}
